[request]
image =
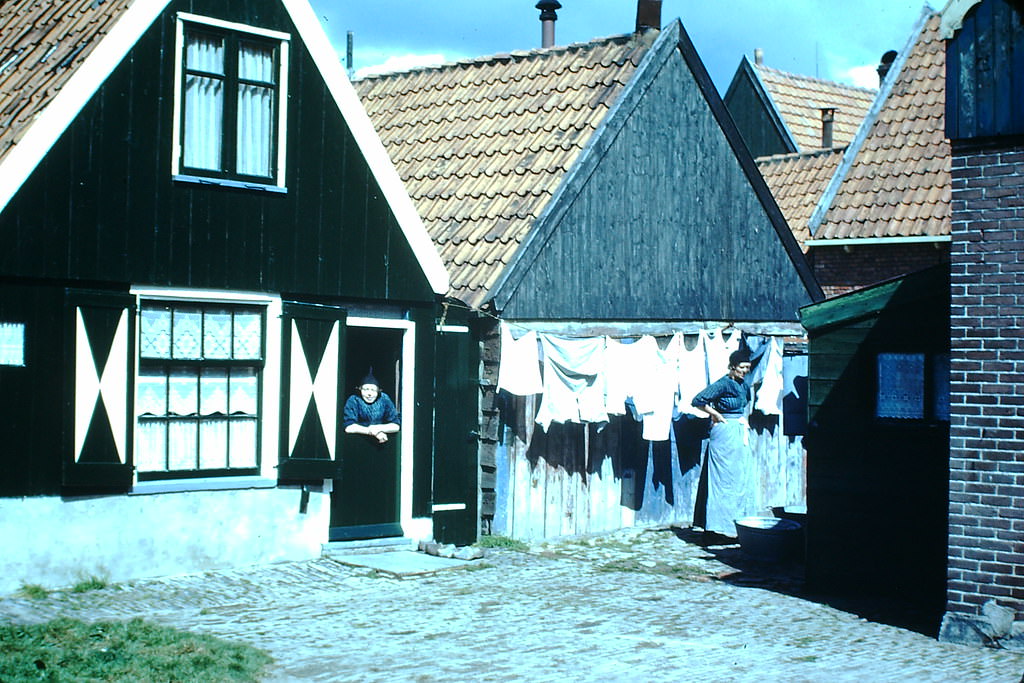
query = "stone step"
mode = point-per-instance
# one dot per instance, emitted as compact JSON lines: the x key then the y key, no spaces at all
{"x":368,"y":545}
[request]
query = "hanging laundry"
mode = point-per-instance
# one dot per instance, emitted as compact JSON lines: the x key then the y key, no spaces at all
{"x":574,"y":386}
{"x":769,"y":395}
{"x":692,"y":374}
{"x":758,"y":346}
{"x":620,"y":360}
{"x":519,"y":368}
{"x":719,"y":345}
{"x":658,"y":395}
{"x":793,"y":367}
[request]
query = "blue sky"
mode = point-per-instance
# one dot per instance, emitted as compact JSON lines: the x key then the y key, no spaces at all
{"x":834,"y":39}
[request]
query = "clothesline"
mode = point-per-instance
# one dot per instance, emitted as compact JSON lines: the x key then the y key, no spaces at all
{"x":722,"y":326}
{"x":591,"y":379}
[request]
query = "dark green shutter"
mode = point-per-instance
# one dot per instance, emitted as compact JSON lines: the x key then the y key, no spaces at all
{"x":312,"y":391}
{"x":456,"y":391}
{"x":100,"y":329}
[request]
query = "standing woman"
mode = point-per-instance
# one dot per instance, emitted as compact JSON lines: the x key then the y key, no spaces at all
{"x":729,"y":460}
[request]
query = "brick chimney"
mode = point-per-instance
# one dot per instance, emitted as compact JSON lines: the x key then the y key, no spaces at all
{"x":648,"y":14}
{"x":547,"y":21}
{"x":828,"y":118}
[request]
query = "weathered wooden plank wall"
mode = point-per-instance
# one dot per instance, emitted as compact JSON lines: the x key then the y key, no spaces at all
{"x":655,"y":256}
{"x":576,"y":480}
{"x":984,"y":81}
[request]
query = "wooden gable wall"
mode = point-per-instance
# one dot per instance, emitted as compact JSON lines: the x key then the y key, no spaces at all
{"x":985,"y":73}
{"x":754,"y":114}
{"x":664,"y":218}
{"x":102,"y":206}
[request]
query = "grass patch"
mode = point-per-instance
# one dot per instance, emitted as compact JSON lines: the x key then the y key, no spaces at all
{"x":72,"y":650}
{"x":33,"y":591}
{"x":477,"y":566}
{"x":661,"y":568}
{"x":90,"y":583}
{"x":502,"y":542}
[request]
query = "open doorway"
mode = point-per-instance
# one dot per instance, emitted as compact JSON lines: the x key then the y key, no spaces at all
{"x":366,"y":499}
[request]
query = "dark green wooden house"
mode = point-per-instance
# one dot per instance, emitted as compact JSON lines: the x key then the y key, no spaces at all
{"x":206,"y":249}
{"x":878,"y":442}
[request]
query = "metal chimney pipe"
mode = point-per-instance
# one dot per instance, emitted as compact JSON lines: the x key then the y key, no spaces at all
{"x":547,"y":21}
{"x":828,"y":117}
{"x":758,"y":56}
{"x":648,"y":14}
{"x":349,"y":60}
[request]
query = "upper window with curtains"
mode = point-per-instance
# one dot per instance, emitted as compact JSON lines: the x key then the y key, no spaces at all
{"x":230,"y":95}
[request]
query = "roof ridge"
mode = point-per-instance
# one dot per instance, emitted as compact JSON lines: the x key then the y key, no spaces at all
{"x":786,"y":156}
{"x":815,"y":79}
{"x":536,"y":53}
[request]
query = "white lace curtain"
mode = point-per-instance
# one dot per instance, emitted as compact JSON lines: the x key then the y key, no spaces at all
{"x":204,"y":106}
{"x":212,"y":439}
{"x":204,"y":102}
{"x":901,"y":385}
{"x":255,"y":109}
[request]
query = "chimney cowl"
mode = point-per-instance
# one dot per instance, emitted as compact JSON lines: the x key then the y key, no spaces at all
{"x":758,"y":56}
{"x":885,"y":64}
{"x":648,"y":15}
{"x":547,"y":21}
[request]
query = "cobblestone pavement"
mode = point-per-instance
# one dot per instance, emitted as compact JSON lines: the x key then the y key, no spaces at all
{"x":637,"y":605}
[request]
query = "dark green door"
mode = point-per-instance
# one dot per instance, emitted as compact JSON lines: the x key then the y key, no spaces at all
{"x":456,"y":468}
{"x":366,"y":498}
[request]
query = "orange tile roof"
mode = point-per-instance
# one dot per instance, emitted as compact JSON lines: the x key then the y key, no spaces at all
{"x":797,"y":182}
{"x":482,"y":144}
{"x":41,"y":45}
{"x":800,"y":99}
{"x":897,"y":183}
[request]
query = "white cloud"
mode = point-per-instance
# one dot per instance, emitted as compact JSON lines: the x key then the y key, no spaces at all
{"x":401,"y":63}
{"x":862,"y":76}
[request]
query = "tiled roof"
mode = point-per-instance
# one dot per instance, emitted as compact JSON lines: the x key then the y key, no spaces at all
{"x":797,"y":182}
{"x":482,"y":144}
{"x":898,"y":181}
{"x":41,"y":44}
{"x":800,"y":99}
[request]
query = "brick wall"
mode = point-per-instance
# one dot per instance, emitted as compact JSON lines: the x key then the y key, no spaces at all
{"x":986,"y":488}
{"x":842,"y":269}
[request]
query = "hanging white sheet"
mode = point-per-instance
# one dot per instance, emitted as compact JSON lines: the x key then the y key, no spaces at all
{"x":574,"y":381}
{"x":770,"y":393}
{"x":693,"y":374}
{"x":519,"y":368}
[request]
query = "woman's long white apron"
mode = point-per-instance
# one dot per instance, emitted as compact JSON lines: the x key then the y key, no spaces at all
{"x":730,"y":476}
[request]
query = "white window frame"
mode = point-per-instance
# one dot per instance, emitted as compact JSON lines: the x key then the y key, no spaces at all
{"x":177,"y":153}
{"x":269,"y":401}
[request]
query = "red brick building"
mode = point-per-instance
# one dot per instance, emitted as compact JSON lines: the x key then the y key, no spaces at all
{"x":985,"y":123}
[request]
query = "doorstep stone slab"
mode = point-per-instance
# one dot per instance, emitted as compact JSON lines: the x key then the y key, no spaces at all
{"x":399,"y":562}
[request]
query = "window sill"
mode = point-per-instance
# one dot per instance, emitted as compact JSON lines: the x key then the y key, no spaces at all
{"x":208,"y":484}
{"x":223,"y":182}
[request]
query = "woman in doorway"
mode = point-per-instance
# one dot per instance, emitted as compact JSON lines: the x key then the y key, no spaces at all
{"x":370,"y":411}
{"x":729,"y":461}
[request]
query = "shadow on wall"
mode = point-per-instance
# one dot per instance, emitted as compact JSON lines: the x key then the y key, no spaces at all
{"x":660,"y":481}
